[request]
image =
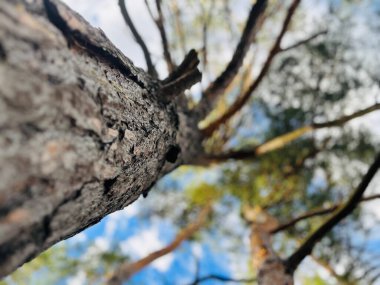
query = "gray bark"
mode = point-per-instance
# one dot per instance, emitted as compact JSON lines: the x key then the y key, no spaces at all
{"x":83,"y":132}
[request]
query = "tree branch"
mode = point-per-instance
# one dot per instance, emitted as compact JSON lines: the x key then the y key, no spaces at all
{"x":183,"y":77}
{"x":147,"y":5}
{"x":314,"y":213}
{"x":178,"y":24}
{"x":126,"y":270}
{"x":190,"y":61}
{"x":341,"y":121}
{"x":306,"y":248}
{"x":221,"y":278}
{"x":165,"y":45}
{"x":124,"y":12}
{"x":282,"y":140}
{"x":240,"y":101}
{"x":207,"y":15}
{"x":216,"y":88}
{"x":305,"y":41}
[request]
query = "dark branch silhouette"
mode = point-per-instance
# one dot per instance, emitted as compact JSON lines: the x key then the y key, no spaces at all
{"x":307,"y":247}
{"x":345,"y":119}
{"x":314,"y":213}
{"x":240,"y":101}
{"x":216,"y":88}
{"x":304,"y":41}
{"x":128,"y":20}
{"x":160,"y":22}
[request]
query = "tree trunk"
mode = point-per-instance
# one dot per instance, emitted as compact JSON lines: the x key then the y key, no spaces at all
{"x":83,"y":132}
{"x":271,"y":269}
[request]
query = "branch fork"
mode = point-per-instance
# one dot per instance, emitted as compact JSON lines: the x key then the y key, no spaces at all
{"x":183,"y":77}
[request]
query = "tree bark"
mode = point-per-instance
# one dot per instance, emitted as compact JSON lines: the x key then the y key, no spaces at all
{"x":271,"y":269}
{"x":83,"y":131}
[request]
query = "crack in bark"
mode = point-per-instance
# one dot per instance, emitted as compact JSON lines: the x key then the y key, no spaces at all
{"x":3,"y":54}
{"x":107,"y":184}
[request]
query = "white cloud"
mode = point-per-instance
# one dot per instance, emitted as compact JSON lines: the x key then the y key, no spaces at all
{"x":163,"y":263}
{"x":78,"y":279}
{"x":131,"y":210}
{"x":119,"y":220}
{"x":197,"y":250}
{"x":110,"y":227}
{"x":145,"y":243}
{"x":100,"y":245}
{"x":142,"y":244}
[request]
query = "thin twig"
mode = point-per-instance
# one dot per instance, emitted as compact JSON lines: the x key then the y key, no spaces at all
{"x":207,"y":16}
{"x":147,"y":5}
{"x":178,"y":26}
{"x":304,"y":41}
{"x":128,"y":20}
{"x":160,"y":22}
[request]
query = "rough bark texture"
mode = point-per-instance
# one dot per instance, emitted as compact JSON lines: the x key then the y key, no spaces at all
{"x":83,"y":132}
